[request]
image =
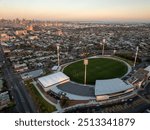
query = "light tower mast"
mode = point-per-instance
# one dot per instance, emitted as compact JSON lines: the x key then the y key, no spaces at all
{"x":103,"y":44}
{"x":136,"y":54}
{"x":58,"y":54}
{"x":85,"y":71}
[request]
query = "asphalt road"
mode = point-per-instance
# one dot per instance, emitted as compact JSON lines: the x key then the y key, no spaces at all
{"x":24,"y":102}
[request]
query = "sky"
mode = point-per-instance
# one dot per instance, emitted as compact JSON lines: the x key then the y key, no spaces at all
{"x":77,"y":10}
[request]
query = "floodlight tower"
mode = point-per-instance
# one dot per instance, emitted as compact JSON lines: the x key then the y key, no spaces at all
{"x":58,"y":54}
{"x":103,"y":44}
{"x":85,"y":71}
{"x":114,"y":51}
{"x":136,"y":54}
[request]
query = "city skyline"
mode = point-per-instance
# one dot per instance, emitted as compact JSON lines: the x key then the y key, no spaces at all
{"x":77,"y":10}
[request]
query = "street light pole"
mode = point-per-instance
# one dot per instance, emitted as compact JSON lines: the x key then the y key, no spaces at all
{"x":136,"y":54}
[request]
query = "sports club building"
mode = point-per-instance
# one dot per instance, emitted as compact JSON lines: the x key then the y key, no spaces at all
{"x":47,"y":82}
{"x":106,"y":89}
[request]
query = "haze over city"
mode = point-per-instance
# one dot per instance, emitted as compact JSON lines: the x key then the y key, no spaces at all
{"x":75,"y":56}
{"x":77,"y":10}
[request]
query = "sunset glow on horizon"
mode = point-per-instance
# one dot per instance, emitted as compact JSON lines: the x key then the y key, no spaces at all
{"x":93,"y":10}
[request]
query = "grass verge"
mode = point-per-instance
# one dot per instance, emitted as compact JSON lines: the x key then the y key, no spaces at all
{"x":42,"y":105}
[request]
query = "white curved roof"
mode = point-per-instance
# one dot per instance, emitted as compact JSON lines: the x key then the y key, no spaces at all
{"x":103,"y":87}
{"x":52,"y":79}
{"x":148,"y":69}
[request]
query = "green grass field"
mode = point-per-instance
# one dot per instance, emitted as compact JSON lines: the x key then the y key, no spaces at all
{"x":99,"y":68}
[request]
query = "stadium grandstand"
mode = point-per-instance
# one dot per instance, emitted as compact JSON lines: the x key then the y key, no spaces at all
{"x":106,"y":89}
{"x":53,"y":80}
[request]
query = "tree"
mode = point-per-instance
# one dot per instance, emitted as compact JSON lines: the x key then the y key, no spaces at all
{"x":64,"y":101}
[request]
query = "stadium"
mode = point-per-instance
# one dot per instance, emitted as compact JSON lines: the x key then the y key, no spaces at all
{"x":106,"y":80}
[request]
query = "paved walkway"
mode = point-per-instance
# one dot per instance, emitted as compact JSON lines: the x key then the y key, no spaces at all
{"x":93,"y":102}
{"x":58,"y":107}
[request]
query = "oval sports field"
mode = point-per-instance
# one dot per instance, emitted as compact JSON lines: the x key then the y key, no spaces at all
{"x":97,"y":69}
